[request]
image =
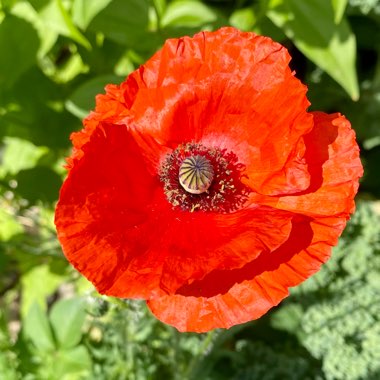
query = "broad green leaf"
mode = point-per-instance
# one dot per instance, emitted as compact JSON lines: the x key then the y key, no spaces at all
{"x":67,"y":317}
{"x":83,"y":11}
{"x":8,"y":226}
{"x":56,"y":17}
{"x":36,"y":285}
{"x":38,"y":4}
{"x":125,"y":22}
{"x":19,"y":154}
{"x":29,"y":13}
{"x":243,"y":19}
{"x":312,"y":28}
{"x":188,"y":13}
{"x":74,"y":33}
{"x":18,"y":46}
{"x":36,"y":327}
{"x":38,"y":184}
{"x":159,"y":6}
{"x":265,"y":27}
{"x":82,"y":101}
{"x":72,"y":364}
{"x":37,"y":112}
{"x":124,"y":66}
{"x":339,"y":7}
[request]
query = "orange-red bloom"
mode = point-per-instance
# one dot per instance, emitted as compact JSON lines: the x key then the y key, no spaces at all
{"x":204,"y":186}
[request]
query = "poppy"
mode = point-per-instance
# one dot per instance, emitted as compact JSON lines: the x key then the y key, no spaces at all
{"x":203,"y":185}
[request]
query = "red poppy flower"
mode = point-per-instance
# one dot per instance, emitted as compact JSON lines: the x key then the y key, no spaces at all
{"x":204,"y":186}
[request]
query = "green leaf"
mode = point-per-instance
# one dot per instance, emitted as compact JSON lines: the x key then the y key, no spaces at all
{"x":38,"y":184}
{"x":243,"y":19}
{"x":36,"y":327}
{"x":74,"y":33}
{"x":339,"y":7}
{"x":8,"y":227}
{"x":18,"y":46}
{"x":84,"y":11}
{"x":29,"y":13}
{"x":312,"y":28}
{"x":82,"y":100}
{"x":19,"y":154}
{"x":125,"y":22}
{"x":188,"y":13}
{"x":37,"y":284}
{"x":55,"y":16}
{"x":67,"y":317}
{"x":72,"y":364}
{"x":159,"y":6}
{"x":38,"y":4}
{"x":37,"y":112}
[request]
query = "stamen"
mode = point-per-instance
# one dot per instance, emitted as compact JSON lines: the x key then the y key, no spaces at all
{"x":199,"y":178}
{"x":196,"y":174}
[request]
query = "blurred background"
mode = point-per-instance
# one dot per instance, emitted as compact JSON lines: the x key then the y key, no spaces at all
{"x":55,"y":56}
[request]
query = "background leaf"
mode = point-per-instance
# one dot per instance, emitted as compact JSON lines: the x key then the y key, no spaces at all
{"x":18,"y":46}
{"x":67,"y":317}
{"x":36,"y":292}
{"x":56,"y":17}
{"x":37,"y":328}
{"x":188,"y":13}
{"x":19,"y":154}
{"x":124,"y":22}
{"x":72,"y":364}
{"x":83,"y":11}
{"x":83,"y":99}
{"x":312,"y":28}
{"x":339,"y":7}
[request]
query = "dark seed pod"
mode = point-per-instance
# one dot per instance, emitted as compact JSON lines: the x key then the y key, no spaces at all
{"x":196,"y":174}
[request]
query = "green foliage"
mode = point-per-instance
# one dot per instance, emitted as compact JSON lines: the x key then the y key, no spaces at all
{"x":336,"y":313}
{"x":312,"y":27}
{"x":339,"y":6}
{"x":56,"y":56}
{"x":53,"y":342}
{"x":19,"y":42}
{"x":366,"y":6}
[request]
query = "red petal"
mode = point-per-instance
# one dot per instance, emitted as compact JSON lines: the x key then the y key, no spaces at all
{"x":186,"y":247}
{"x":103,"y":214}
{"x":198,"y":243}
{"x":222,"y":87}
{"x":251,"y":291}
{"x":112,"y":210}
{"x":334,"y":163}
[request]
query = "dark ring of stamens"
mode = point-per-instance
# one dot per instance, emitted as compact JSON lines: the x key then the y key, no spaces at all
{"x":224,"y":192}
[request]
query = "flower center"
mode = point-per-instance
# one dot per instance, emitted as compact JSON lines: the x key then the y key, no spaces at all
{"x":196,"y":174}
{"x":198,"y":178}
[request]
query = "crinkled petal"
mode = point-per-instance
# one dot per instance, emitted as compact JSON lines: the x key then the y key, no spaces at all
{"x":185,"y":247}
{"x":238,"y":296}
{"x":224,"y":85}
{"x":198,"y":243}
{"x":112,"y":210}
{"x":103,"y":216}
{"x":110,"y":107}
{"x":333,"y":159}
